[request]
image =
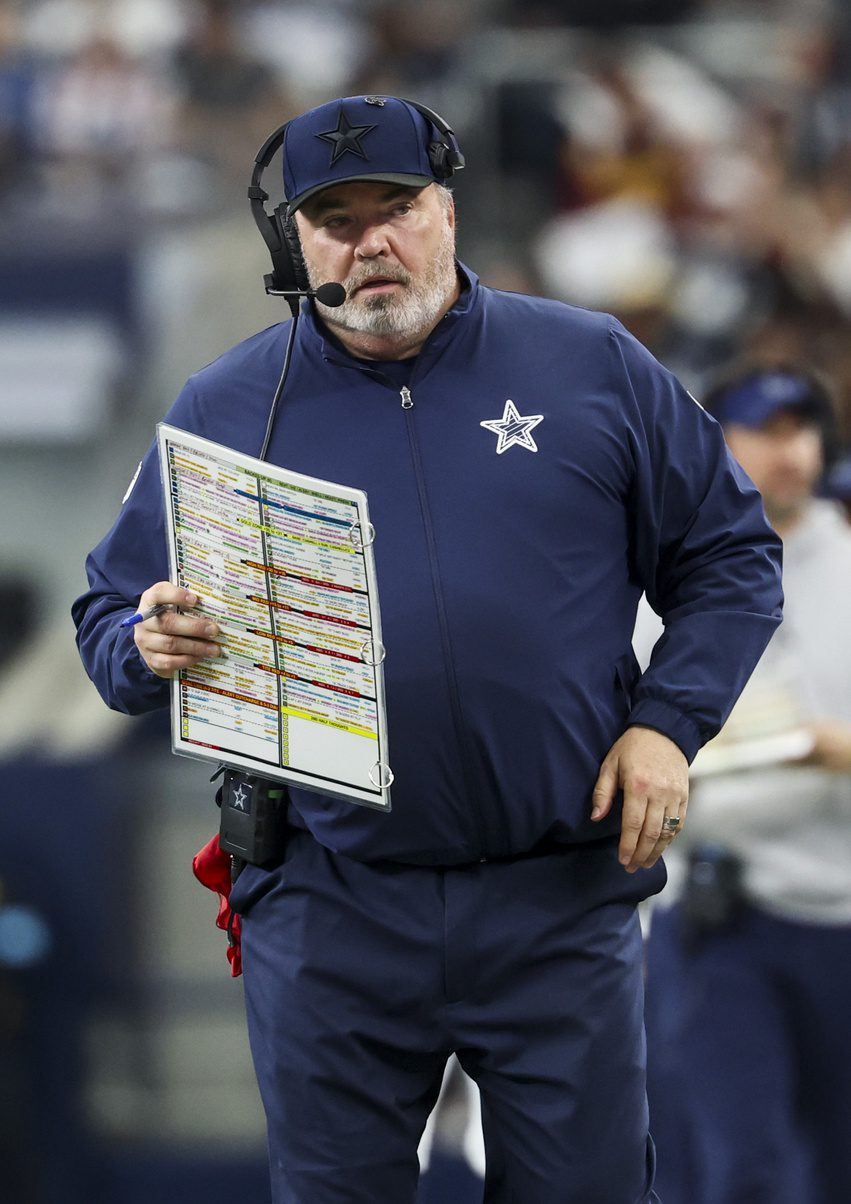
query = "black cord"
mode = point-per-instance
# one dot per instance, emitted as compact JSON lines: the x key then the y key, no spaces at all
{"x":273,"y":409}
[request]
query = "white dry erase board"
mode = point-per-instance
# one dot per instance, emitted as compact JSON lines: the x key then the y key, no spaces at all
{"x":284,"y":564}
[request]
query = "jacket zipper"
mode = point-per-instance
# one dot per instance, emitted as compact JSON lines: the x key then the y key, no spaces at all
{"x":443,"y":622}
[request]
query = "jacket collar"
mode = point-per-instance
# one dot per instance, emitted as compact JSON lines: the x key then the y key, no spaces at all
{"x":312,"y":329}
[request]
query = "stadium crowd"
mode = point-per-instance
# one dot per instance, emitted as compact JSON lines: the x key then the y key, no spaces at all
{"x":691,"y":176}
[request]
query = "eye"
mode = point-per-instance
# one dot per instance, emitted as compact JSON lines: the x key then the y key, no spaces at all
{"x":402,"y":208}
{"x":335,"y":221}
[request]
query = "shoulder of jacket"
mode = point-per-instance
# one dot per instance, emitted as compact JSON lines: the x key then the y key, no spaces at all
{"x":548,"y":310}
{"x":234,"y":361}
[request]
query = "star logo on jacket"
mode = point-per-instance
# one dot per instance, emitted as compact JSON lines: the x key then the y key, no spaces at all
{"x":346,"y":137}
{"x":513,"y":429}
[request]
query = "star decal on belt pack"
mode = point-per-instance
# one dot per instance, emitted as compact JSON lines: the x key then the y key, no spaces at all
{"x":512,"y":429}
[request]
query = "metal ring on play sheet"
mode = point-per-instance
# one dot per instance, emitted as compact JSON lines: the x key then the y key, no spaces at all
{"x":356,"y":535}
{"x":381,"y":775}
{"x":372,"y":652}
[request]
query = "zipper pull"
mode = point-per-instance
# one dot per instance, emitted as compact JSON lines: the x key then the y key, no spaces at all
{"x":407,"y":400}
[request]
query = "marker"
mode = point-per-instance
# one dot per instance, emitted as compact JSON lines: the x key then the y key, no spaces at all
{"x":141,"y":615}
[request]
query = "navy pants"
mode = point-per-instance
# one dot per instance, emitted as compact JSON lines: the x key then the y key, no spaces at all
{"x":361,"y":979}
{"x":749,"y":1038}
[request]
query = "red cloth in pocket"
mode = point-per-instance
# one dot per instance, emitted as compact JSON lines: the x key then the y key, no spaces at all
{"x":212,"y":867}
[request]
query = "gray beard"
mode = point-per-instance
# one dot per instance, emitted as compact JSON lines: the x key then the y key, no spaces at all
{"x":409,"y":315}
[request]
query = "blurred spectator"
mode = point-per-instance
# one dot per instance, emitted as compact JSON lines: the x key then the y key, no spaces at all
{"x":685,"y":204}
{"x":61,"y":28}
{"x":749,"y":971}
{"x":315,"y":46}
{"x":613,"y":14}
{"x":100,"y":114}
{"x":17,"y":93}
{"x":415,"y":45}
{"x":230,"y":98}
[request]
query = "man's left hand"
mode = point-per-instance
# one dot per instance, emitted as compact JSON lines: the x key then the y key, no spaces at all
{"x":653,"y":774}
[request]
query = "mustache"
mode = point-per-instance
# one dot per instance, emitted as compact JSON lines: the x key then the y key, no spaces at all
{"x":376,"y":273}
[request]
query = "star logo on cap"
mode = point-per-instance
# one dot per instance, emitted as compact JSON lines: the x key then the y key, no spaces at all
{"x":346,"y":137}
{"x":513,"y":429}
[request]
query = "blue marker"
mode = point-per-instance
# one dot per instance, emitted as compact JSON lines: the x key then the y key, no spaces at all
{"x":141,"y":615}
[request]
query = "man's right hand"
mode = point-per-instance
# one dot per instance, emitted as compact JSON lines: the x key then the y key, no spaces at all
{"x":172,"y":641}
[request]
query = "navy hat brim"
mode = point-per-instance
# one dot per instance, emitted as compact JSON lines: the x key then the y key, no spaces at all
{"x":381,"y":177}
{"x":757,"y":398}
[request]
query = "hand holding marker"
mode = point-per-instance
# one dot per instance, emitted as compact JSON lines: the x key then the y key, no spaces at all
{"x":185,"y":640}
{"x":141,"y":615}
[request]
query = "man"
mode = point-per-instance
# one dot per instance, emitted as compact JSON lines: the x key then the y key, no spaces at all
{"x":530,"y":469}
{"x":749,"y":980}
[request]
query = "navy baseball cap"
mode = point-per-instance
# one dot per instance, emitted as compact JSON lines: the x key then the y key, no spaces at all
{"x":753,"y":399}
{"x":377,"y":138}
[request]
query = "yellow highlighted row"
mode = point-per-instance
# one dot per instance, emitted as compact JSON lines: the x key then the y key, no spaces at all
{"x":346,"y":727}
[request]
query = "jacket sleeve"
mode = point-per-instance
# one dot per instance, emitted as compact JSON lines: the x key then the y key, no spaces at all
{"x":703,"y":551}
{"x":132,"y":556}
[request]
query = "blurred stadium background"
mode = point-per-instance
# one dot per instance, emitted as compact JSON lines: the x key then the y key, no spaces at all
{"x":685,"y":165}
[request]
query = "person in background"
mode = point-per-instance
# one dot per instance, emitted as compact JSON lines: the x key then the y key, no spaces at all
{"x":531,"y":469}
{"x":749,"y":972}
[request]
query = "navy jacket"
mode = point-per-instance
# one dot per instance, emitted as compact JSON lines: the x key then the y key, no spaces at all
{"x":508,"y":582}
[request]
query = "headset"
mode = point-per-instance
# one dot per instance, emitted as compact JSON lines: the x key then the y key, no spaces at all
{"x":288,"y":277}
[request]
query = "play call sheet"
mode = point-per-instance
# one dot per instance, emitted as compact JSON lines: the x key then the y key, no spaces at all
{"x":283,"y":563}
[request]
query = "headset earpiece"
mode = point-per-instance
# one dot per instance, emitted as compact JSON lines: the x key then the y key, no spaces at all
{"x":294,"y":259}
{"x":278,"y":231}
{"x":445,"y":156}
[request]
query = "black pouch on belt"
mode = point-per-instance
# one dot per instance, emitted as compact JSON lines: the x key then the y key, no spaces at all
{"x":253,"y":824}
{"x":713,"y":895}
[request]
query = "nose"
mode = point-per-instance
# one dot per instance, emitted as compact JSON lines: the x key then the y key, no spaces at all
{"x":373,"y":241}
{"x":788,"y":449}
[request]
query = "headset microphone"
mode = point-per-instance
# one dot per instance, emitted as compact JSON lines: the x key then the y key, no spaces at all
{"x":330,"y":294}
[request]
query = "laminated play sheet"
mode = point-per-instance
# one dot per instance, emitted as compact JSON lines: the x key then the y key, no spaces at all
{"x":283,"y":563}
